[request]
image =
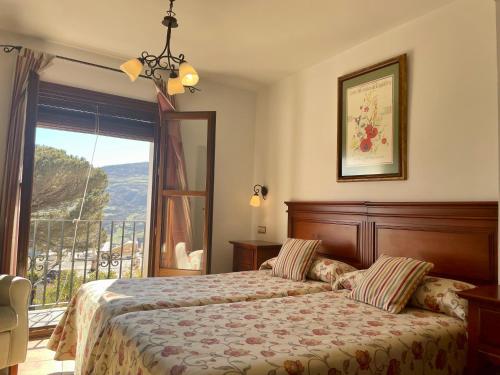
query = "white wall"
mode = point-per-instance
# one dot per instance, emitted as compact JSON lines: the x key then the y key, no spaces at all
{"x":235,"y":129}
{"x":234,"y":152}
{"x":452,"y":118}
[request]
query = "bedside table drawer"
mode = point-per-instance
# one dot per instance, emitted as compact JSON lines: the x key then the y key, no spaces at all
{"x":243,"y":259}
{"x":489,"y":327}
{"x":245,"y":256}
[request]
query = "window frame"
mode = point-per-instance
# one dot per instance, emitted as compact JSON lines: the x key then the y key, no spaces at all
{"x":61,"y":107}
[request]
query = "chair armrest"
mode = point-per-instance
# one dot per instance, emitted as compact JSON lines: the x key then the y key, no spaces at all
{"x":14,"y":292}
{"x":5,"y":283}
{"x":20,"y":289}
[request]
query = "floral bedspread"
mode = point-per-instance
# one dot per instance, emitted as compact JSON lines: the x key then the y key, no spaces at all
{"x":321,"y":333}
{"x":95,"y":303}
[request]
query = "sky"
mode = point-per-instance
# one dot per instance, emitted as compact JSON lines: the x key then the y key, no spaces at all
{"x":109,"y":150}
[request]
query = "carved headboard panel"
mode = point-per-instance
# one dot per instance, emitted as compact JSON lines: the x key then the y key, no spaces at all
{"x":460,"y":238}
{"x":338,"y":224}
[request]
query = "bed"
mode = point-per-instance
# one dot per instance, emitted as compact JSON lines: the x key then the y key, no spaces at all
{"x":95,"y":303}
{"x":321,"y":333}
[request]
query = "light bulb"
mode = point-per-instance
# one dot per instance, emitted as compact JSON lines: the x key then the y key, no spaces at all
{"x":189,"y":76}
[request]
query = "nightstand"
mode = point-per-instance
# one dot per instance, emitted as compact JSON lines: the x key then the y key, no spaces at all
{"x":249,"y":255}
{"x":483,"y":329}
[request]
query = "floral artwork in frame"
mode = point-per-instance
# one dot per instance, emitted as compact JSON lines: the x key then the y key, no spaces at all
{"x":371,"y":134}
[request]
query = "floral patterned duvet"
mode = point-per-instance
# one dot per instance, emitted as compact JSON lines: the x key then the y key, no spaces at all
{"x":321,"y":333}
{"x":95,"y":303}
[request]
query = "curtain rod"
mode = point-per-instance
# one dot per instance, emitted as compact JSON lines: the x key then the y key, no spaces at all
{"x":7,"y":48}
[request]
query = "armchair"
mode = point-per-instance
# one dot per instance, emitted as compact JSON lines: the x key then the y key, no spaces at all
{"x":14,"y":295}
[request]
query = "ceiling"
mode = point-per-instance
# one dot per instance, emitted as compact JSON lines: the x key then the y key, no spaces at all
{"x":257,"y":41}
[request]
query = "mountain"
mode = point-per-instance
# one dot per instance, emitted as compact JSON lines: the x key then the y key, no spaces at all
{"x":128,"y":190}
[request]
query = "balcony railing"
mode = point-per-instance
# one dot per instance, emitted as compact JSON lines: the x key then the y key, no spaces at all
{"x":104,"y":249}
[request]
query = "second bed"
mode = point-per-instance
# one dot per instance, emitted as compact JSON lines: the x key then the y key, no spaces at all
{"x":321,"y":333}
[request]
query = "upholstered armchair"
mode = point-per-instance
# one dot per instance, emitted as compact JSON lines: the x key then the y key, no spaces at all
{"x":14,"y":297}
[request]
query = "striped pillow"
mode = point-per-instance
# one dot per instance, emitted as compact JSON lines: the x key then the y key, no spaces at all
{"x":389,"y":283}
{"x":295,"y":258}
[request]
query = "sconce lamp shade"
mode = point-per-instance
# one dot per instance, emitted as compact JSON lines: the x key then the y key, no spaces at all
{"x":255,"y":201}
{"x":174,"y":86}
{"x":189,"y":76}
{"x":257,"y":191}
{"x":132,"y":68}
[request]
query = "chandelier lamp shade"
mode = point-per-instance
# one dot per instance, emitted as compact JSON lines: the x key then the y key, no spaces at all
{"x":132,"y":68}
{"x":181,"y":74}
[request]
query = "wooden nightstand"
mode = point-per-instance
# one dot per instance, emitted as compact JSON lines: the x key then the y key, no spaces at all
{"x":483,"y":329}
{"x":249,"y":255}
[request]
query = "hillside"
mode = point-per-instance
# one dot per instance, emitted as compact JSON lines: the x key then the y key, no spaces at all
{"x":128,"y":189}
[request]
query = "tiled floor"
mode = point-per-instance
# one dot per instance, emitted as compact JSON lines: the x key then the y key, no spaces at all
{"x":40,"y":361}
{"x":45,"y":317}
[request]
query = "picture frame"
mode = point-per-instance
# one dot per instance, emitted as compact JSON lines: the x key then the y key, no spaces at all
{"x":372,"y":122}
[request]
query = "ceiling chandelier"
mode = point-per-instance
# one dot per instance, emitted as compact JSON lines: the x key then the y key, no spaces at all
{"x":181,"y":73}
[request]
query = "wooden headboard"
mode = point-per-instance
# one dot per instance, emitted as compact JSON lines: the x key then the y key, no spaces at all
{"x":460,"y":238}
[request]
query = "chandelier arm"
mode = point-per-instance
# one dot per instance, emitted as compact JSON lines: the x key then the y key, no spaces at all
{"x":165,"y":60}
{"x":150,"y":60}
{"x":145,"y":55}
{"x":148,"y":72}
{"x":166,"y":65}
{"x":10,"y":48}
{"x":153,"y":63}
{"x":169,"y":54}
{"x":156,"y":76}
{"x":152,"y":73}
{"x":167,"y":45}
{"x":179,"y":60}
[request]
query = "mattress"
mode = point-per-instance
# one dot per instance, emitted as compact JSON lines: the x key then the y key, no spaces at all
{"x":97,"y":302}
{"x":321,"y":333}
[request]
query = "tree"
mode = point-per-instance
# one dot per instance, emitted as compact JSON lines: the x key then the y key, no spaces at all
{"x":58,"y":186}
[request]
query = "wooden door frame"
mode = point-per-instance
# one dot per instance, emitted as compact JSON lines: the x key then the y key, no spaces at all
{"x":210,"y":117}
{"x":27,"y":174}
{"x":155,"y":188}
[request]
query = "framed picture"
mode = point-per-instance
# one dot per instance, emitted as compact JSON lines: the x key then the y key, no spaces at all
{"x":371,"y":128}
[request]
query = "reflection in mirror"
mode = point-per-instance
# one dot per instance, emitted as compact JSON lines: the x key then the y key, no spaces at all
{"x":183,"y":236}
{"x":189,"y":144}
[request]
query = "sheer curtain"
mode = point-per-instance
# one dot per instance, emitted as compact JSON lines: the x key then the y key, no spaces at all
{"x":28,"y":62}
{"x":177,"y":209}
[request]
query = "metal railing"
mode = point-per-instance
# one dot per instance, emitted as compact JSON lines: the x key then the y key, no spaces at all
{"x":104,"y":249}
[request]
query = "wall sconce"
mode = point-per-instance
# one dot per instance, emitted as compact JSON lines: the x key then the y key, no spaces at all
{"x":255,"y":200}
